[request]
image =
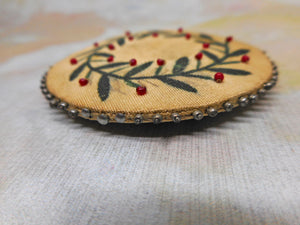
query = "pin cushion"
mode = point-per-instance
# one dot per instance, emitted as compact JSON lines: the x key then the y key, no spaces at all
{"x":159,"y":76}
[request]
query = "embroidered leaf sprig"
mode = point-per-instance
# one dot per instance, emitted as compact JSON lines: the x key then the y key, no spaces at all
{"x":121,"y":41}
{"x":238,"y":52}
{"x":103,"y":87}
{"x":180,"y":64}
{"x":230,"y":71}
{"x":180,"y":69}
{"x":137,"y":69}
{"x":177,"y":84}
{"x":76,"y":72}
{"x":211,"y":56}
{"x":205,"y":36}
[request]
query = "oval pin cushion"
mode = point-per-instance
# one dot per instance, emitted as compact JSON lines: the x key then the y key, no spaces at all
{"x":159,"y":76}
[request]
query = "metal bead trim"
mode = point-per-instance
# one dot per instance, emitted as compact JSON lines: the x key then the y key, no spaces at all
{"x":275,"y":78}
{"x":45,"y":91}
{"x":157,"y":119}
{"x":103,"y":119}
{"x":53,"y":103}
{"x":261,"y":92}
{"x":212,"y":112}
{"x":228,"y":106}
{"x":49,"y":96}
{"x":253,"y":98}
{"x":176,"y":117}
{"x":73,"y":113}
{"x":63,"y":106}
{"x":138,"y":119}
{"x":268,"y":85}
{"x":120,"y":117}
{"x":198,"y":115}
{"x":86,"y":113}
{"x":243,"y":101}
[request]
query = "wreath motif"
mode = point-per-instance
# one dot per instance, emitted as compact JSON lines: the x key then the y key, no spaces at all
{"x":109,"y":70}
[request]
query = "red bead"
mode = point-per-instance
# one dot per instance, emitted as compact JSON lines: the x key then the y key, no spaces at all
{"x":96,"y":44}
{"x":73,"y":61}
{"x":245,"y":58}
{"x":130,"y":38}
{"x":155,"y":34}
{"x":205,"y":45}
{"x":199,"y":56}
{"x":132,"y":62}
{"x":83,"y":81}
{"x":188,"y":36}
{"x":180,"y":30}
{"x":111,"y":46}
{"x":110,"y":59}
{"x":140,"y":90}
{"x":160,"y":62}
{"x":229,"y":38}
{"x":127,"y":33}
{"x":219,"y":77}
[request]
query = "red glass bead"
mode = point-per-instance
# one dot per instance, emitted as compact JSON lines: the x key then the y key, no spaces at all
{"x":96,"y":44}
{"x":140,"y":90}
{"x":127,"y":33}
{"x":111,"y":46}
{"x":219,"y":77}
{"x":110,"y":59}
{"x":180,"y":30}
{"x":155,"y":34}
{"x":245,"y":58}
{"x":132,"y":62}
{"x":205,"y":45}
{"x":188,"y":36}
{"x":83,"y":81}
{"x":199,"y":56}
{"x":229,"y":38}
{"x":130,"y":38}
{"x":160,"y":62}
{"x":73,"y":61}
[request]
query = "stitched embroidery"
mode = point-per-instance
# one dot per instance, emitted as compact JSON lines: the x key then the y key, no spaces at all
{"x":110,"y":69}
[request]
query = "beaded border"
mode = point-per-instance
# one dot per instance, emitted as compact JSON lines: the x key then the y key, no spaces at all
{"x":156,"y":118}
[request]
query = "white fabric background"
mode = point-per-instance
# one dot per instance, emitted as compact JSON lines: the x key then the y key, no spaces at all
{"x":239,"y":168}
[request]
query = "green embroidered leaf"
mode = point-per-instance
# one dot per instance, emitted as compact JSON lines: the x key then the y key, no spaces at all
{"x":111,"y":65}
{"x":218,"y":44}
{"x":175,"y":35}
{"x":230,"y":71}
{"x":88,"y":74}
{"x":157,"y":72}
{"x":138,"y":69}
{"x":76,"y":72}
{"x":198,"y":64}
{"x":200,"y":77}
{"x":230,"y":62}
{"x":177,"y":84}
{"x":102,"y":54}
{"x":205,"y":36}
{"x":103,"y":87}
{"x":180,"y":65}
{"x":238,"y":52}
{"x":131,"y":84}
{"x":211,"y":43}
{"x":121,"y":41}
{"x":144,"y":35}
{"x":210,"y":55}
